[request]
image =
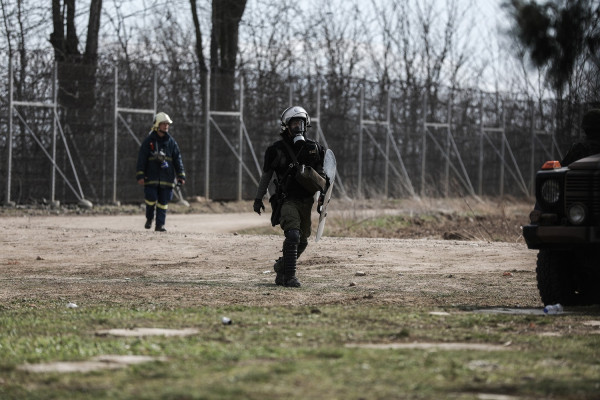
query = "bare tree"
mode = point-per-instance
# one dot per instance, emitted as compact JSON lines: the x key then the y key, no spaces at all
{"x":226,"y":17}
{"x":336,"y":49}
{"x":267,"y":47}
{"x":199,"y":48}
{"x":21,"y":22}
{"x":560,"y":36}
{"x":77,"y":70}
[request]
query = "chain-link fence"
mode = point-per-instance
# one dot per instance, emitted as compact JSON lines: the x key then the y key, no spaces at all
{"x":395,"y":141}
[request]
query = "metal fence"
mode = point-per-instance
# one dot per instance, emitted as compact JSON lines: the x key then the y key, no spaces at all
{"x":396,"y":141}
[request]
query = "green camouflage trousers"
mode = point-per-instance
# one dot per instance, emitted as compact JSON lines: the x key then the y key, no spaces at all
{"x":295,"y":214}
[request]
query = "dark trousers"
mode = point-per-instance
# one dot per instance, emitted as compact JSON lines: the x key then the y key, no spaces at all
{"x":157,"y":197}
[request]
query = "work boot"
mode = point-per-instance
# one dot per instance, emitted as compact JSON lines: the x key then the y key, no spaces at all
{"x":301,"y":247}
{"x":278,"y":268}
{"x":290,"y":256}
{"x":292,"y":281}
{"x":160,"y":228}
{"x":148,"y":224}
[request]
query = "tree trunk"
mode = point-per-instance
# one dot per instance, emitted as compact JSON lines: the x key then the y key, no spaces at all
{"x":199,"y":52}
{"x":226,"y":17}
{"x":76,"y":71}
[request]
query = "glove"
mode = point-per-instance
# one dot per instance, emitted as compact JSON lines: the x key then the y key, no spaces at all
{"x":320,"y":202}
{"x":258,"y":205}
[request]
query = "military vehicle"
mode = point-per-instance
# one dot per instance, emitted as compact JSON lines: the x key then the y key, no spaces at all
{"x":565,"y":228}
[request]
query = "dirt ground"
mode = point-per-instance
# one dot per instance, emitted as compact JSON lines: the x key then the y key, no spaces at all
{"x":203,"y":259}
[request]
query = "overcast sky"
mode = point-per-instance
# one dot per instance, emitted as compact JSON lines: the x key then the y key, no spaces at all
{"x":484,"y":18}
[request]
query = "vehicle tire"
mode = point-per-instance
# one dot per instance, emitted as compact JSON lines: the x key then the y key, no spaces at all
{"x":560,"y":280}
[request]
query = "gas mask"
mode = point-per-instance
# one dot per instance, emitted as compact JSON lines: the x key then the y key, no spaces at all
{"x":297,"y":127}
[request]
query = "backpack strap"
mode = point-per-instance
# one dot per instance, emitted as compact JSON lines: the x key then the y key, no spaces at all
{"x":290,"y":152}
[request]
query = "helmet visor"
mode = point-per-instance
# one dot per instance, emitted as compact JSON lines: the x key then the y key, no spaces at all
{"x":297,"y":126}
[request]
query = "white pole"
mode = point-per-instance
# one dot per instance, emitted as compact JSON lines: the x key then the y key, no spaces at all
{"x":10,"y":130}
{"x":532,"y":156}
{"x":115,"y":123}
{"x":360,"y":142}
{"x":481,"y":133}
{"x":207,"y":139}
{"x":387,"y":146}
{"x":502,"y":151}
{"x":447,"y":169}
{"x":241,"y":138}
{"x":318,"y":135}
{"x":54,"y":113}
{"x":424,"y":143}
{"x":155,"y":105}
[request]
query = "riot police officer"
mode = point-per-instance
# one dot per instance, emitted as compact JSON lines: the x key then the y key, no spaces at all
{"x":293,"y":199}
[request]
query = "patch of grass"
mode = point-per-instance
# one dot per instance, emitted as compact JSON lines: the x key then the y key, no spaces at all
{"x":295,"y":352}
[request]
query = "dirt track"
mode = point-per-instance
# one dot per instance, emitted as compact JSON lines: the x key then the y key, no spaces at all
{"x":203,"y":261}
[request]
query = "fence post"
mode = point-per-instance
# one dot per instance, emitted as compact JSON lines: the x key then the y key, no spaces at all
{"x":115,"y":127}
{"x":54,"y":122}
{"x":481,"y":133}
{"x":448,"y":133}
{"x":207,"y":139}
{"x":10,"y":131}
{"x":532,"y":156}
{"x":360,"y":142}
{"x":241,"y":138}
{"x":503,"y":150}
{"x":424,"y":144}
{"x":387,"y":146}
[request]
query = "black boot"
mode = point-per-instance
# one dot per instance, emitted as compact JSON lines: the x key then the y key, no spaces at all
{"x":149,"y":215}
{"x":290,"y":256}
{"x":279,"y":265}
{"x":301,"y":248}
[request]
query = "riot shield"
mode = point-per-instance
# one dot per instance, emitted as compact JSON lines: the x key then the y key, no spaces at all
{"x":329,"y":166}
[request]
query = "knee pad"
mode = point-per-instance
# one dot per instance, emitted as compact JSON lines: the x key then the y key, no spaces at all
{"x":292,"y":236}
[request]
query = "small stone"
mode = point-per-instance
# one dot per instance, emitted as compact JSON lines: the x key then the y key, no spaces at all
{"x":360,"y":273}
{"x":352,"y":284}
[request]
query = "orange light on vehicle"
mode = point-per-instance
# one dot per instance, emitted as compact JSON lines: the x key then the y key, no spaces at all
{"x":551,"y":165}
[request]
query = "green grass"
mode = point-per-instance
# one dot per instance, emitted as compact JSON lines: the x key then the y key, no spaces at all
{"x":296,"y":353}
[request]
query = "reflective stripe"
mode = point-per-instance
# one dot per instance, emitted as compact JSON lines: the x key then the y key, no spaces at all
{"x":150,"y":203}
{"x":162,"y":206}
{"x":163,"y":184}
